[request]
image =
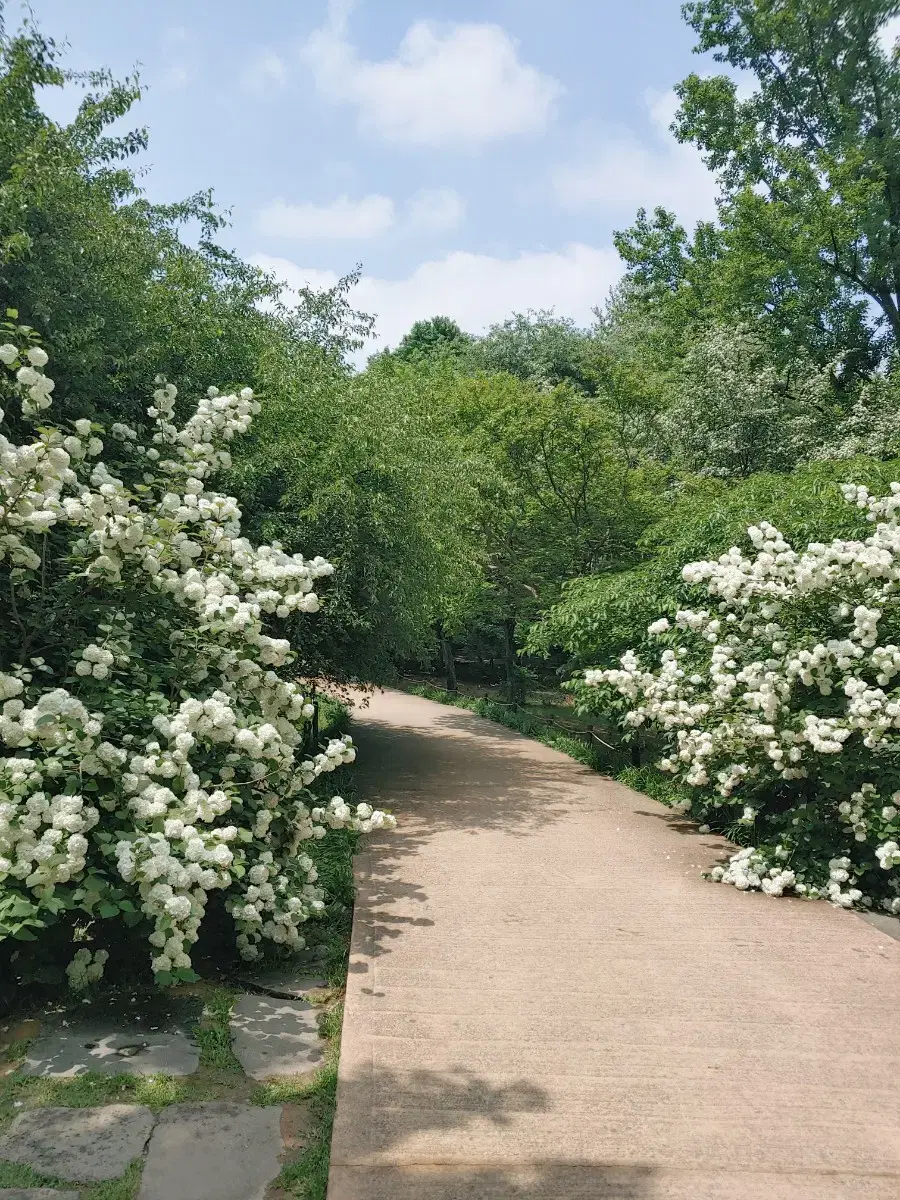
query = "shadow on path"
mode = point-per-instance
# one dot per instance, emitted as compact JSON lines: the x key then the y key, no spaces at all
{"x":547,"y":1002}
{"x":444,"y":1104}
{"x":488,"y":780}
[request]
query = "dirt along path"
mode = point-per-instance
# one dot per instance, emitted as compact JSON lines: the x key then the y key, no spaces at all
{"x":546,"y":1001}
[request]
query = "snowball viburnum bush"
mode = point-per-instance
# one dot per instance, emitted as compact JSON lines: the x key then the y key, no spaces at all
{"x":778,"y":697}
{"x":153,"y":736}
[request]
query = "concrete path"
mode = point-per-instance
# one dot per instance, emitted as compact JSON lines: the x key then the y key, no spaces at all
{"x":547,"y":1002}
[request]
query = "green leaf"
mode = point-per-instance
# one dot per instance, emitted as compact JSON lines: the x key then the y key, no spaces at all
{"x":108,"y":910}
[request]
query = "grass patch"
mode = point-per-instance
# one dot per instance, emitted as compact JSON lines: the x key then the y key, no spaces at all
{"x":16,"y":1175}
{"x":213,"y":1035}
{"x":18,"y":1093}
{"x":307,"y":1177}
{"x":123,"y":1188}
{"x":653,"y":783}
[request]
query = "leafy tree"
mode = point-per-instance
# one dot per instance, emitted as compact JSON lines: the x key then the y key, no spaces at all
{"x":555,"y":498}
{"x":735,"y":411}
{"x":362,"y":465}
{"x":536,"y":347}
{"x":106,"y":277}
{"x":436,"y":337}
{"x":668,"y":291}
{"x":599,"y":616}
{"x":808,"y":163}
{"x":870,"y":426}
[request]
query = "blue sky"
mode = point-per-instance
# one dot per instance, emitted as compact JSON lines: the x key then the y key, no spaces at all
{"x":474,"y":157}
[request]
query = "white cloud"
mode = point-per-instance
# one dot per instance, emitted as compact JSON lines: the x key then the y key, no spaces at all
{"x":430,"y":210}
{"x":342,"y":219}
{"x":624,"y":173}
{"x":265,"y":70}
{"x":435,"y":210}
{"x":888,"y":34}
{"x":457,"y":85}
{"x":474,"y":289}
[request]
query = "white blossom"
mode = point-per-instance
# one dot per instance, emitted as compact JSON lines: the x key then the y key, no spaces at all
{"x":785,"y":682}
{"x":209,"y":789}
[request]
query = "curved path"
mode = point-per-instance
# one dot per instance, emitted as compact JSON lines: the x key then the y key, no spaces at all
{"x":547,"y":1002}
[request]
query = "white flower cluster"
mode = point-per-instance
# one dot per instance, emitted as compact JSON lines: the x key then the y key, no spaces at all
{"x":202,"y":787}
{"x":747,"y":870}
{"x":782,"y":690}
{"x":86,"y":968}
{"x":38,"y":388}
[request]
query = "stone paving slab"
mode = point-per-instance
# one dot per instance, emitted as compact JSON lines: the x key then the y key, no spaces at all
{"x":546,"y":1001}
{"x":215,"y":1151}
{"x":65,"y":1053}
{"x":35,"y":1194}
{"x":276,"y":1037}
{"x":287,"y":982}
{"x":83,"y":1144}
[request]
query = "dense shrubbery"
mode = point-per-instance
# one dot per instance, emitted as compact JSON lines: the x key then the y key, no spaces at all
{"x":155,"y":737}
{"x":536,"y":486}
{"x":776,"y":698}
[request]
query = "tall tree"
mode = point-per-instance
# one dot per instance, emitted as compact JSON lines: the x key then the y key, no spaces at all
{"x":537,"y":347}
{"x":556,"y":498}
{"x":809,"y":163}
{"x":434,"y":338}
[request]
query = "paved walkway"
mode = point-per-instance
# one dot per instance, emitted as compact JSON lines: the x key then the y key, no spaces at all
{"x":547,"y":1002}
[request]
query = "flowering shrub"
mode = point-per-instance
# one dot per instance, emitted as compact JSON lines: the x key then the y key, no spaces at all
{"x":779,"y":702}
{"x":154,"y":739}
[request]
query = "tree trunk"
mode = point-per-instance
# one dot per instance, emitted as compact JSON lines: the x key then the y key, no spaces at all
{"x":447,"y":658}
{"x":314,"y":724}
{"x":515,"y":685}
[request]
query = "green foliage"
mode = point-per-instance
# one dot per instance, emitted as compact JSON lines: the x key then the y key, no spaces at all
{"x":437,"y":338}
{"x":365,"y":468}
{"x":536,"y":347}
{"x":808,"y":162}
{"x":735,"y":411}
{"x":102,"y":274}
{"x":651,"y":782}
{"x":600,"y":616}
